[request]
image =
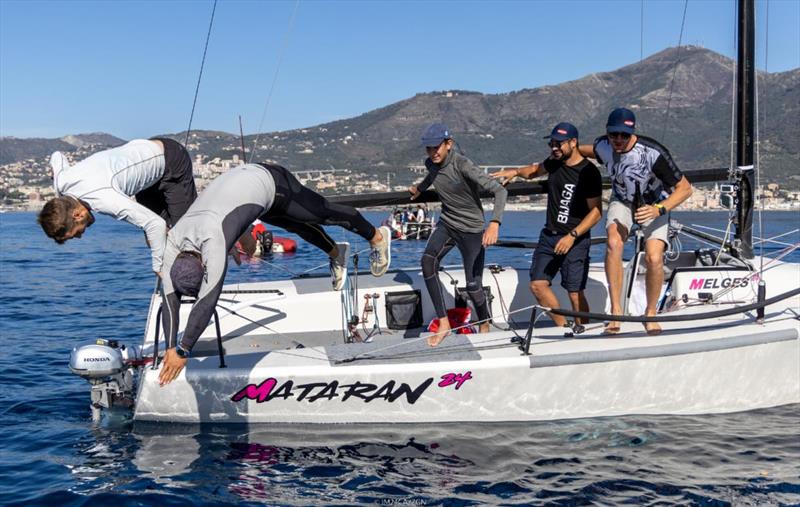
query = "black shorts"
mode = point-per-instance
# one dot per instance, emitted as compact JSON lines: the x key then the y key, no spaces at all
{"x":574,"y":266}
{"x":175,"y":191}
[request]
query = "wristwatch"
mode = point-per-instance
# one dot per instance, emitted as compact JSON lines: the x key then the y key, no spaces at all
{"x":573,"y":233}
{"x":661,"y":209}
{"x":182,"y":352}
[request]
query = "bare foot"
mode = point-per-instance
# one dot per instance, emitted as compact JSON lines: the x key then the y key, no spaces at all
{"x":652,"y":328}
{"x":613,"y":327}
{"x":376,"y":238}
{"x":444,"y":330}
{"x":484,"y":327}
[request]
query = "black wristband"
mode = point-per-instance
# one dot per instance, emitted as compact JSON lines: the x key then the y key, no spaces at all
{"x":182,"y":352}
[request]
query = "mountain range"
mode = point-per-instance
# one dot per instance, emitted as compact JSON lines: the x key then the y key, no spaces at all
{"x":696,"y":84}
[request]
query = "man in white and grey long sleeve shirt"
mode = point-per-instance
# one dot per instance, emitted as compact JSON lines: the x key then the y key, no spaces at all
{"x":157,"y":172}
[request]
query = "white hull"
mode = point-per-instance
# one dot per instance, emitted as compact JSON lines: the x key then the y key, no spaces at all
{"x":724,"y":365}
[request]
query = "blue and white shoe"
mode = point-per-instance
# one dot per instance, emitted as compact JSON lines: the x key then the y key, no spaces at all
{"x":381,"y":255}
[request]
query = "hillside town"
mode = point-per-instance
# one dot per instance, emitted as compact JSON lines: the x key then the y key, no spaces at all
{"x":26,"y":185}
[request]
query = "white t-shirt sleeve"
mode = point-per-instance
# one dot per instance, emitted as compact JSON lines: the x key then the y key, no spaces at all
{"x":125,"y":208}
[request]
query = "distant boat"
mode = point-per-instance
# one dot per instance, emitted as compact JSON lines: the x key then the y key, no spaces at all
{"x":269,"y":243}
{"x":407,"y":224}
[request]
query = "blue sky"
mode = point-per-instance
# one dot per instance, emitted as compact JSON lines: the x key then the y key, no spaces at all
{"x":129,"y":68}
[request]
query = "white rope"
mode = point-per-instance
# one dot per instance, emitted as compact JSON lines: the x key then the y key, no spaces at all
{"x":768,"y":240}
{"x":724,"y":241}
{"x":773,"y":238}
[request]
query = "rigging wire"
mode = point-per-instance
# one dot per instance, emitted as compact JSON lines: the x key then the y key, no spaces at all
{"x":274,"y":80}
{"x":759,"y":190}
{"x":674,"y":71}
{"x":641,"y":31}
{"x":200,"y":76}
{"x":732,"y":143}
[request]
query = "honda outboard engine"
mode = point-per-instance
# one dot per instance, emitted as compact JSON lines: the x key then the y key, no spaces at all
{"x":109,"y":367}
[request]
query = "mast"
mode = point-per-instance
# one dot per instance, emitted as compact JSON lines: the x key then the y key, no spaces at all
{"x":744,"y":174}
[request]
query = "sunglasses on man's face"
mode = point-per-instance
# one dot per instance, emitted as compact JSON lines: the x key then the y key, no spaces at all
{"x":434,"y":148}
{"x":619,"y":135}
{"x":557,"y":144}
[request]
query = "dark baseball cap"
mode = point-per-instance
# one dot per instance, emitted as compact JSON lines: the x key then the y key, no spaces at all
{"x":435,"y":134}
{"x":563,"y":131}
{"x":187,"y":273}
{"x":621,"y":120}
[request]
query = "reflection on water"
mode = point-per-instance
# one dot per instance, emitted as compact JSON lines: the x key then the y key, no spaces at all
{"x":675,"y":459}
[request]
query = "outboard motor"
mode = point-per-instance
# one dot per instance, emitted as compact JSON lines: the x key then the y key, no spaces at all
{"x":265,"y":240}
{"x":109,"y":367}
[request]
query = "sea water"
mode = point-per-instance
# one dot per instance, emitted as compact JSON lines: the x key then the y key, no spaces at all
{"x":57,"y":296}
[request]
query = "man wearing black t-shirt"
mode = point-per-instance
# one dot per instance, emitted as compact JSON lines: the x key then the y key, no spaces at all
{"x":644,"y":176}
{"x":574,"y":206}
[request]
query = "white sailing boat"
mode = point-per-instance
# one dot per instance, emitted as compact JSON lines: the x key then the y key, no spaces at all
{"x":295,"y":351}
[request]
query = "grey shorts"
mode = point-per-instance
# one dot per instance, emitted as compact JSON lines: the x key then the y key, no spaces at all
{"x":620,"y":213}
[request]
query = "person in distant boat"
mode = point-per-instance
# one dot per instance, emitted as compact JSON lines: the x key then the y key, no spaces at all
{"x":195,"y":258}
{"x":420,"y":214}
{"x":643,"y":175}
{"x":458,"y":182}
{"x":574,"y":206}
{"x":157,"y":172}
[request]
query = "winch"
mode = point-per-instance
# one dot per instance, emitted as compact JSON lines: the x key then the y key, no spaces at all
{"x":110,"y":368}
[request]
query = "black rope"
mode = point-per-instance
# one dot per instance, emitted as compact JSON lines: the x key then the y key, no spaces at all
{"x":674,"y":71}
{"x":202,"y":64}
{"x":675,"y":318}
{"x":506,"y":243}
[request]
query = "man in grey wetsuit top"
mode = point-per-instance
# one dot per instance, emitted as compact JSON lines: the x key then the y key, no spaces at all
{"x":458,"y":183}
{"x":195,"y":258}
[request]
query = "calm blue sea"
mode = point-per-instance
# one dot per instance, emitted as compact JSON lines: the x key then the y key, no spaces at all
{"x":54,"y":297}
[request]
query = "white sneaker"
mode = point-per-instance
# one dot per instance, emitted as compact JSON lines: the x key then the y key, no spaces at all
{"x":339,"y":266}
{"x":381,"y":255}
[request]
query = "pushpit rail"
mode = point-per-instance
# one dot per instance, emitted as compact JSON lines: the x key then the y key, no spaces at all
{"x":216,"y":322}
{"x":758,"y":305}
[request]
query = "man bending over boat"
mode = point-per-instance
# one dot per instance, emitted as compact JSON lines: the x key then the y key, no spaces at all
{"x":157,"y":172}
{"x":574,"y":206}
{"x":195,"y":259}
{"x":458,"y":182}
{"x":644,"y":177}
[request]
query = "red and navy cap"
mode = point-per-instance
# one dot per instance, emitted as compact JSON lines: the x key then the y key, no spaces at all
{"x":621,"y":120}
{"x":563,"y":131}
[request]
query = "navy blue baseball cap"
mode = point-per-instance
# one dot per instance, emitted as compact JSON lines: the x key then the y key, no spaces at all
{"x":187,"y":273}
{"x":621,"y":120}
{"x":563,"y":131}
{"x":435,"y":134}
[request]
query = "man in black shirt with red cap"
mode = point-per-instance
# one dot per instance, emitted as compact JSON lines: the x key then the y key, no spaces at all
{"x":574,"y":206}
